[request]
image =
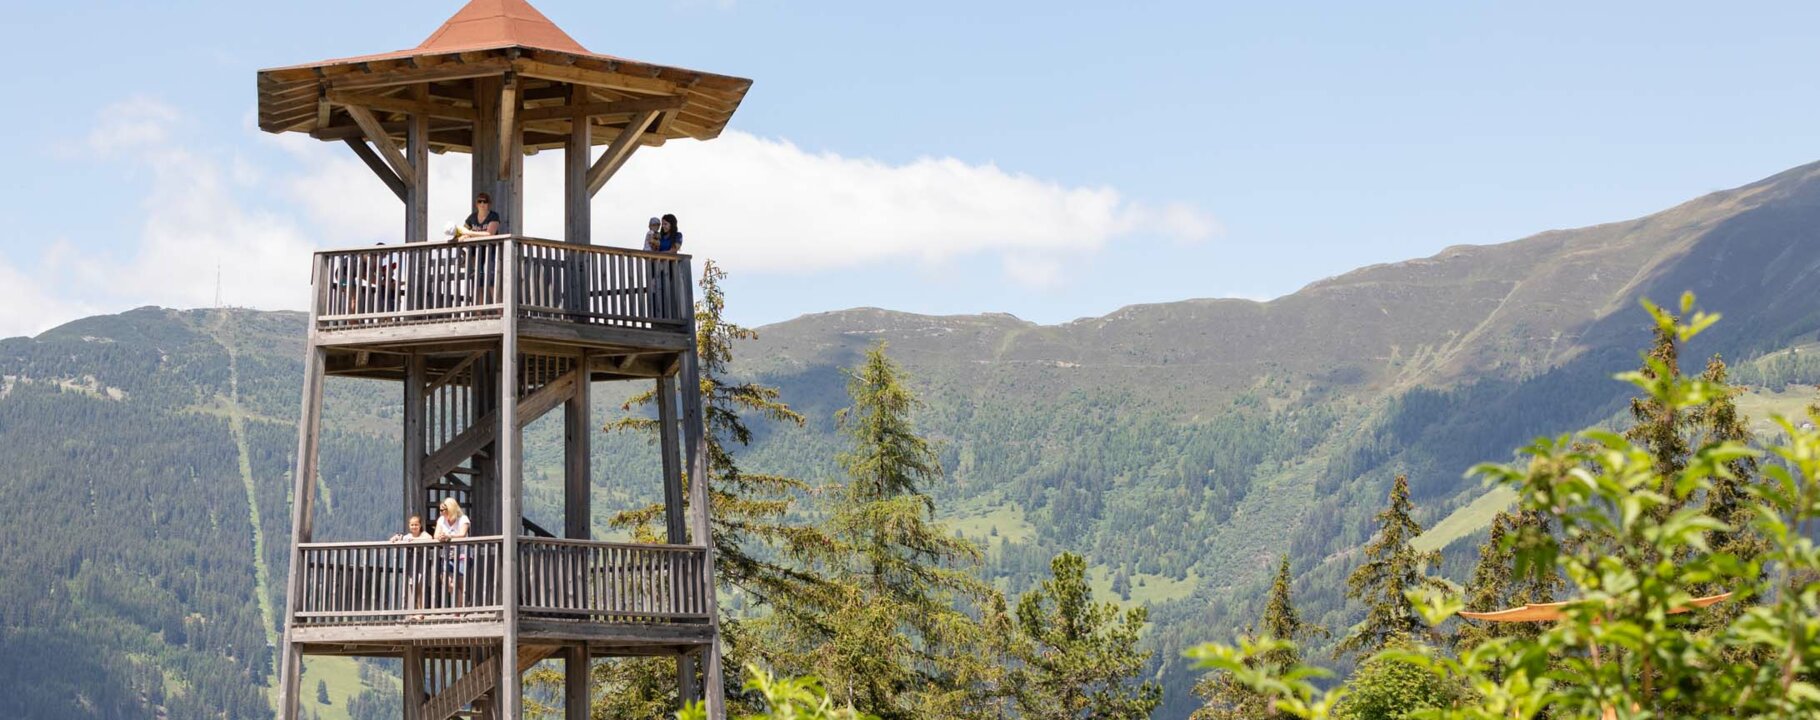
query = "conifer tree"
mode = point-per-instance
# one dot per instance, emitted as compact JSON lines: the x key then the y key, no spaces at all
{"x":1077,"y":658}
{"x":1502,"y":579}
{"x":1391,"y":569}
{"x":760,"y":546}
{"x":1227,"y":699}
{"x":1658,"y":426}
{"x":899,"y":646}
{"x":1728,"y":500}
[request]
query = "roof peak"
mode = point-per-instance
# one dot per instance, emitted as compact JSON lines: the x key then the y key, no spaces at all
{"x":497,"y":23}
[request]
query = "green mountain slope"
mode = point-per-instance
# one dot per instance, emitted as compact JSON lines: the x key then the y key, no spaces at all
{"x":1182,"y":447}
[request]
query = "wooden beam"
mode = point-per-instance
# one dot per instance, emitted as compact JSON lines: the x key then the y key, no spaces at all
{"x":618,"y":152}
{"x":417,"y":145}
{"x":412,"y":106}
{"x":595,"y":78}
{"x":552,"y":394}
{"x":451,"y":71}
{"x":383,"y":142}
{"x":577,"y":218}
{"x":578,"y":429}
{"x":378,"y":166}
{"x":594,"y":109}
{"x":508,"y":128}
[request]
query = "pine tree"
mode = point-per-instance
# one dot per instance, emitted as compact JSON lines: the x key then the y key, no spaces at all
{"x":1228,"y":700}
{"x":898,"y":647}
{"x":1078,"y":658}
{"x":1391,"y":569}
{"x":322,"y":692}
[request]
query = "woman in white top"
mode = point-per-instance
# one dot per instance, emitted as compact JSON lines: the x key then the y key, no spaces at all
{"x":453,"y":524}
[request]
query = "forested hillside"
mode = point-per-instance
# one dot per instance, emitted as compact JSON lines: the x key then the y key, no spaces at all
{"x":1181,"y":447}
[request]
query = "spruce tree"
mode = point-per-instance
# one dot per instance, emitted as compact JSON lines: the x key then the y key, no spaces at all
{"x":898,"y":646}
{"x":1503,"y":578}
{"x":1392,"y":568}
{"x":1225,"y":698}
{"x":1077,"y":658}
{"x":1728,"y":500}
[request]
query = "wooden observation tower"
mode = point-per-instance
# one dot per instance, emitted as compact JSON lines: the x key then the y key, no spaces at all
{"x":486,"y":335}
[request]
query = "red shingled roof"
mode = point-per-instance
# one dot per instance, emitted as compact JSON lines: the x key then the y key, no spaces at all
{"x":497,"y":23}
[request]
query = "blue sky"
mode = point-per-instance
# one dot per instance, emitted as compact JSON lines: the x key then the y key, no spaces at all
{"x":1049,"y":159}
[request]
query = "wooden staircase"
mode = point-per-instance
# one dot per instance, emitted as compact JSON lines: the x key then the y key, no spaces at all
{"x":473,"y":687}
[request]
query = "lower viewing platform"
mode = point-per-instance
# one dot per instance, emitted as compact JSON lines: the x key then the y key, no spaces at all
{"x":372,"y":598}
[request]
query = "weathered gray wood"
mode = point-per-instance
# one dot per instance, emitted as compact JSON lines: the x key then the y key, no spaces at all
{"x":513,"y":154}
{"x":413,"y":683}
{"x":577,"y":215}
{"x":379,"y":168}
{"x":674,"y":528}
{"x":485,"y":157}
{"x":700,"y":523}
{"x":467,"y":444}
{"x":552,"y":394}
{"x":412,"y":482}
{"x":303,"y":495}
{"x":417,"y":150}
{"x":576,"y":693}
{"x":509,"y":100}
{"x":616,"y":154}
{"x":511,"y":691}
{"x":382,"y":142}
{"x":578,"y":430}
{"x":532,"y":629}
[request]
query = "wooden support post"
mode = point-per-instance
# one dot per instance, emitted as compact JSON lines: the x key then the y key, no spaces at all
{"x":417,"y":154}
{"x":577,"y":215}
{"x":700,"y":523}
{"x":413,"y":682}
{"x":511,"y":471}
{"x":303,"y":496}
{"x":485,"y":166}
{"x":512,"y":154}
{"x":577,"y":480}
{"x":576,"y":690}
{"x":414,"y":439}
{"x":675,"y":531}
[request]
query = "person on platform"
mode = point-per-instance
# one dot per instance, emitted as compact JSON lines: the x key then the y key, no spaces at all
{"x":414,"y":532}
{"x":669,"y":238}
{"x":651,"y":234}
{"x":453,"y":525}
{"x":484,"y":220}
{"x":414,"y":562}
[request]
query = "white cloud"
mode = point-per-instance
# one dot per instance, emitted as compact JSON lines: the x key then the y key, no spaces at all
{"x":755,"y":205}
{"x":767,"y":206}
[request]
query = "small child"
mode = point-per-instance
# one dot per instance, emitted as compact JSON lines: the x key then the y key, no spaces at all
{"x":651,"y":236}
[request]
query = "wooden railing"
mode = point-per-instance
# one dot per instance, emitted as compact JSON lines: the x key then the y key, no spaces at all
{"x":392,"y":582}
{"x":442,"y":281}
{"x":613,"y":582}
{"x":384,"y":582}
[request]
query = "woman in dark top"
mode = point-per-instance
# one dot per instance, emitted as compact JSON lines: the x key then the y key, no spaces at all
{"x":669,"y":238}
{"x":484,"y":220}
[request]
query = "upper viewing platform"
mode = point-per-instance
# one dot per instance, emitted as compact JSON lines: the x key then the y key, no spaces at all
{"x":557,"y":291}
